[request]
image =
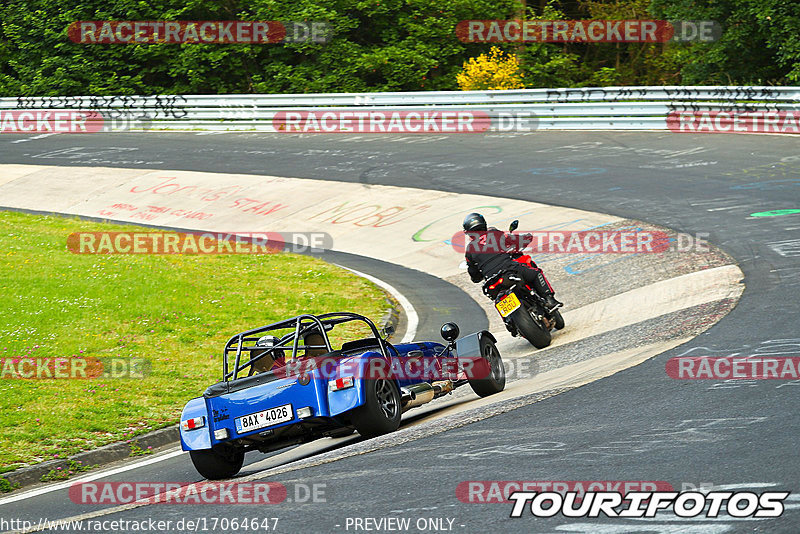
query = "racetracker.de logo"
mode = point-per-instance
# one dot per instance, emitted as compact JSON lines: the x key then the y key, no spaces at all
{"x":586,"y":31}
{"x":405,"y":121}
{"x":73,"y":368}
{"x":178,"y":493}
{"x":196,"y":31}
{"x":499,"y":491}
{"x":197,"y":242}
{"x":417,"y":368}
{"x":577,"y":242}
{"x":51,"y":121}
{"x":734,"y":122}
{"x":733,"y":368}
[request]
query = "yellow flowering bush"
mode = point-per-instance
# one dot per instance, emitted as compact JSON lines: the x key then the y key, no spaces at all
{"x":497,"y":70}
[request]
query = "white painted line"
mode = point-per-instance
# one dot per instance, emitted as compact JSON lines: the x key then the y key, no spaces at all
{"x":411,"y":313}
{"x":34,"y":137}
{"x":730,"y":208}
{"x":94,"y":476}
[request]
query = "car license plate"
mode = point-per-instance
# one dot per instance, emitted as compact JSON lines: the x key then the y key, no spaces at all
{"x":273,"y":416}
{"x":507,"y":306}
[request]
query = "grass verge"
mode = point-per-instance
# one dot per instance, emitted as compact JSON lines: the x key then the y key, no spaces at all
{"x":176,"y":311}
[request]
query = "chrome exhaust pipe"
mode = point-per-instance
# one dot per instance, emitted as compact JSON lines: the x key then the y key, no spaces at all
{"x":416,"y":395}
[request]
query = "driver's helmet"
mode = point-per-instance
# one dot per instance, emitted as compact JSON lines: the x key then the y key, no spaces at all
{"x":267,"y":341}
{"x":474,"y":222}
{"x":267,"y":362}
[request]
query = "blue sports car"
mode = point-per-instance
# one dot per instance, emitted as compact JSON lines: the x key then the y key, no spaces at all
{"x":285,"y":384}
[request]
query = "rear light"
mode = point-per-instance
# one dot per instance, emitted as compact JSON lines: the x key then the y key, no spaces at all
{"x":304,"y":413}
{"x":340,"y":383}
{"x":191,"y":424}
{"x":499,"y":281}
{"x":220,"y":434}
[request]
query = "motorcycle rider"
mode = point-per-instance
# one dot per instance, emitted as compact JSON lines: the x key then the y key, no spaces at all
{"x":482,"y":264}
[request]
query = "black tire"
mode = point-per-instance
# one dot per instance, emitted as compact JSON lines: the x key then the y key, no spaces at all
{"x":495,"y":382}
{"x":216,"y":464}
{"x":381,"y":411}
{"x":559,"y":320}
{"x":538,"y":336}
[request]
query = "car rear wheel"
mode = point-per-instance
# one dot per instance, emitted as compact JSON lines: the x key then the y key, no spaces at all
{"x":217,"y":463}
{"x":381,"y":411}
{"x":495,"y":381}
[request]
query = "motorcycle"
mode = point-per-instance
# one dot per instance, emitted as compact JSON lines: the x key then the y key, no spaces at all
{"x":523,"y":310}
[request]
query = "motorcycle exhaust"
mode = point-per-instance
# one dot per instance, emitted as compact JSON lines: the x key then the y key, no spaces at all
{"x":416,"y":395}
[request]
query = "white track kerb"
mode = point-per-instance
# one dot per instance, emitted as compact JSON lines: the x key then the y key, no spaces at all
{"x":411,"y":314}
{"x":406,"y":226}
{"x":409,"y":227}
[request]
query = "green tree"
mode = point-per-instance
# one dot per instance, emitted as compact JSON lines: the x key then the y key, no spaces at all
{"x":376,"y":45}
{"x":760,"y":42}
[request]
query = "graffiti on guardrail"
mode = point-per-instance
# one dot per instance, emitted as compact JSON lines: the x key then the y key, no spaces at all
{"x":577,"y":95}
{"x":127,"y":107}
{"x":647,"y":108}
{"x":589,"y":94}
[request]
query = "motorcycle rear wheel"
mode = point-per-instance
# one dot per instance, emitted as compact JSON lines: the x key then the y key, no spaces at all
{"x":558,"y":319}
{"x":537,"y":335}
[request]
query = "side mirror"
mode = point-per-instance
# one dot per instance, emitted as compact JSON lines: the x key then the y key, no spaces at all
{"x":450,"y":332}
{"x":513,"y":226}
{"x":388,"y":330}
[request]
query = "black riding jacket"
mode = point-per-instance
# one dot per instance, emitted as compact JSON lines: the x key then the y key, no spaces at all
{"x":488,"y":253}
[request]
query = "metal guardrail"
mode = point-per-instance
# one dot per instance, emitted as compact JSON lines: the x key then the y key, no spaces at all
{"x":588,"y":108}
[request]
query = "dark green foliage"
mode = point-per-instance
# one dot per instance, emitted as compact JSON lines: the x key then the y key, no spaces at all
{"x":379,"y":45}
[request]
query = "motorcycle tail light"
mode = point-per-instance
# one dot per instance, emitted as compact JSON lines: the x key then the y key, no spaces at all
{"x":500,"y":281}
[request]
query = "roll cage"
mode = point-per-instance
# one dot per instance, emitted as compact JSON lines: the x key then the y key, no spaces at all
{"x":301,"y":326}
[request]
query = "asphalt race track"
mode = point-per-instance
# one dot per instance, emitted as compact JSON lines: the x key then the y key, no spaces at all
{"x":637,"y":425}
